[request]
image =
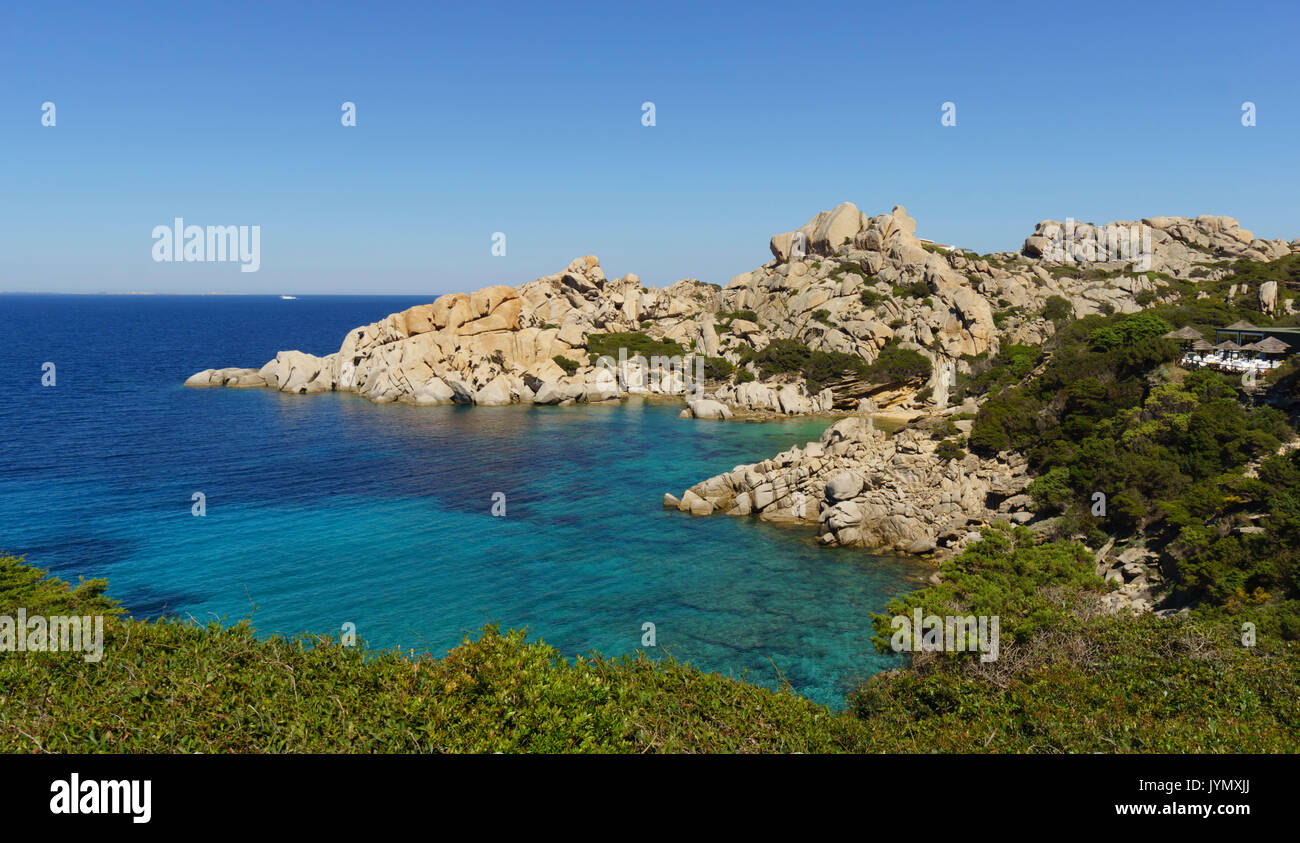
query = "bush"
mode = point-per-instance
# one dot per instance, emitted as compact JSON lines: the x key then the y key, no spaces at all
{"x":636,"y":342}
{"x":1057,"y":309}
{"x":717,"y":368}
{"x":898,"y":365}
{"x":570,"y":367}
{"x":1168,"y":455}
{"x":782,"y":356}
{"x":915,"y":290}
{"x":788,"y":356}
{"x":950,"y":449}
{"x":729,"y":316}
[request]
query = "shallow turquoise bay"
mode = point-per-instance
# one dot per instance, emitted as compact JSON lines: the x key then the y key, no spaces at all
{"x":326,"y":509}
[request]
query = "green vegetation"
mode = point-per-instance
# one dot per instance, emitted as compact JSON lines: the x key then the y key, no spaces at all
{"x":171,"y":686}
{"x":1168,"y":449}
{"x":1057,"y":309}
{"x":1071,"y":678}
{"x":848,"y":267}
{"x":819,"y":368}
{"x":717,"y":368}
{"x":789,"y":356}
{"x":915,"y":290}
{"x":950,"y":449}
{"x":898,"y":365}
{"x":1215,"y":310}
{"x":725,"y":318}
{"x":569,"y":366}
{"x":636,"y":342}
{"x":992,"y":374}
{"x":870,"y":298}
{"x":944,"y":429}
{"x":823,"y":316}
{"x":744,"y":376}
{"x":1001,"y":317}
{"x":1285,"y":270}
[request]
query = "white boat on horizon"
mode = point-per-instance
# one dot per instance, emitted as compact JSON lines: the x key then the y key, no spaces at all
{"x":287,"y":298}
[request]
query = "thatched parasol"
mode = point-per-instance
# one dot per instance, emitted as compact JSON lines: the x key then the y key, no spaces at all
{"x":1271,"y":345}
{"x":1185,"y":333}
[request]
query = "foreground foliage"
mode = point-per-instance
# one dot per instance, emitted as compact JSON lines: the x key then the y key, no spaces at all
{"x":1072,"y":678}
{"x":167,"y":686}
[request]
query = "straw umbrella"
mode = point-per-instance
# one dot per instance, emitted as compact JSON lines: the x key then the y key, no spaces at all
{"x":1229,"y":348}
{"x":1185,"y":335}
{"x":1272,"y":348}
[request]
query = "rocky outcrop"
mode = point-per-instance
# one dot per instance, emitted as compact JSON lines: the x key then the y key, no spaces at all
{"x":755,"y":398}
{"x":1175,"y":245}
{"x":233,"y":377}
{"x":497,"y":345}
{"x":863,"y":487}
{"x":842,"y":282}
{"x":1138,"y":583}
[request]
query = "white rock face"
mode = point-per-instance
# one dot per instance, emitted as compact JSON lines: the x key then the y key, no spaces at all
{"x":233,"y":377}
{"x":433,"y":391}
{"x":1268,"y":297}
{"x":707,"y":408}
{"x":496,"y":393}
{"x":844,"y":486}
{"x":294,"y":371}
{"x":863,"y":487}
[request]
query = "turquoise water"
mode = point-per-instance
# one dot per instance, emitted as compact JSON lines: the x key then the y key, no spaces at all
{"x":326,"y":509}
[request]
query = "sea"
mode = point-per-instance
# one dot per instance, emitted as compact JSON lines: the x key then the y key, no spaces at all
{"x":415,"y":526}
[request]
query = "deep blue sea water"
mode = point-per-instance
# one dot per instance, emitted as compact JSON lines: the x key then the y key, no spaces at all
{"x":326,"y":509}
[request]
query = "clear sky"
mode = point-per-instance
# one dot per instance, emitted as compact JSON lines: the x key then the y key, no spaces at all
{"x":526,"y":119}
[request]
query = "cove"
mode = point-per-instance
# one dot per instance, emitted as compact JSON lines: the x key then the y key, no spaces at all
{"x":325,"y":510}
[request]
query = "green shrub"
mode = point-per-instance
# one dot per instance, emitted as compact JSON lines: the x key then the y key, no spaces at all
{"x":782,"y":356}
{"x":636,"y":342}
{"x":898,"y":365}
{"x":729,"y":316}
{"x":1057,"y":309}
{"x":717,"y":368}
{"x":570,"y":367}
{"x":949,"y":449}
{"x":788,"y":356}
{"x":914,"y":290}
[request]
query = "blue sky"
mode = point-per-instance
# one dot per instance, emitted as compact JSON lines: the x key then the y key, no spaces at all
{"x":526,"y":119}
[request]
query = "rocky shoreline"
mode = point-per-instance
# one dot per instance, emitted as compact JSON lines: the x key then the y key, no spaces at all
{"x":865,"y":488}
{"x":842,"y":284}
